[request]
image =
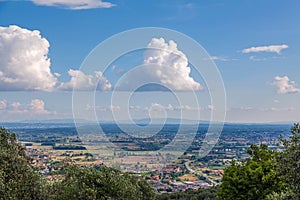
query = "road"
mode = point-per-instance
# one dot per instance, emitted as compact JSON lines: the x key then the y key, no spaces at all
{"x":187,"y":165}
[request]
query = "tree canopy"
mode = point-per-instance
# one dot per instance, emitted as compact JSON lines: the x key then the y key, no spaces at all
{"x":200,"y":194}
{"x":17,"y":178}
{"x":100,"y":183}
{"x":254,"y":178}
{"x":266,"y":174}
{"x":289,"y":162}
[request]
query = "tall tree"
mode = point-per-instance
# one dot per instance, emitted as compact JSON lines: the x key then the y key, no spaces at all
{"x":255,"y":178}
{"x":18,"y":180}
{"x":289,"y":161}
{"x":101,"y":183}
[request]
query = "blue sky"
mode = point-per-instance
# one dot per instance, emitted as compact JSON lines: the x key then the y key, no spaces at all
{"x":261,"y":85}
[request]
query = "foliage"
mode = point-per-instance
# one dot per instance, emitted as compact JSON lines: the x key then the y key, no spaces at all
{"x":289,"y":161}
{"x":253,"y":179}
{"x":284,"y":195}
{"x":200,"y":194}
{"x":101,"y":183}
{"x":17,"y":178}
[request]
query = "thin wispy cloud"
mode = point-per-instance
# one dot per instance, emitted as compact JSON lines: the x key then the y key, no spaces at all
{"x":254,"y":58}
{"x":268,"y":109}
{"x":169,"y":107}
{"x":218,"y":58}
{"x":222,"y":58}
{"x":74,"y":4}
{"x":275,"y":109}
{"x":271,"y":48}
{"x":103,"y":108}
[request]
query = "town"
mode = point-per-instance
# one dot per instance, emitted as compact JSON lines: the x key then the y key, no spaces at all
{"x":52,"y":146}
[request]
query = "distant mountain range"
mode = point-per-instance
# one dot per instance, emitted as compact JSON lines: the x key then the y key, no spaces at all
{"x":137,"y":121}
{"x":56,"y":121}
{"x":143,"y":121}
{"x":164,"y":121}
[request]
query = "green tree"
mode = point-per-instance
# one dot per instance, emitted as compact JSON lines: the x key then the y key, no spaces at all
{"x":101,"y":183}
{"x":255,"y":178}
{"x":18,"y":180}
{"x":200,"y":194}
{"x":287,"y":194}
{"x":289,"y":161}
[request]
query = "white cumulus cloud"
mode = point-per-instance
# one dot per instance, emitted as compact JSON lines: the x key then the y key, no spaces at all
{"x":284,"y":85}
{"x":164,"y":65}
{"x":74,"y":4}
{"x":271,"y":48}
{"x":170,"y":107}
{"x":36,"y":106}
{"x":158,"y":107}
{"x":24,"y":64}
{"x":83,"y":82}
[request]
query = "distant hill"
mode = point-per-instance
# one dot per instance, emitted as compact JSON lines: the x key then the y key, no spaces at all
{"x":143,"y":121}
{"x":137,"y":121}
{"x":56,"y":121}
{"x":168,"y":121}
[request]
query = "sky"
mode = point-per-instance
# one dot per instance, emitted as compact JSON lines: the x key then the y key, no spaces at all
{"x":252,"y":47}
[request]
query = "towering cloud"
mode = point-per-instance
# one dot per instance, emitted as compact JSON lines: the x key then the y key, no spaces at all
{"x":167,"y":66}
{"x":24,"y":64}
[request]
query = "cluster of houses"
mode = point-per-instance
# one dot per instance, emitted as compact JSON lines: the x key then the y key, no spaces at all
{"x":179,"y":186}
{"x":48,"y":161}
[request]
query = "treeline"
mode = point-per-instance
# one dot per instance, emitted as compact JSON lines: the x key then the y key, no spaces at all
{"x":69,"y":147}
{"x":200,"y":194}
